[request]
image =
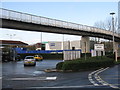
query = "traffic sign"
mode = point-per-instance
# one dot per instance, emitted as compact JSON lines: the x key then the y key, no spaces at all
{"x":99,"y":47}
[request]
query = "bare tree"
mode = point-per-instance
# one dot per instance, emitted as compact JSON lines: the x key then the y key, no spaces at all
{"x":107,"y":24}
{"x":100,"y":24}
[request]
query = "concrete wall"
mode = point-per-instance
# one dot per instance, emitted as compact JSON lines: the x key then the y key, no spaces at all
{"x":76,"y":44}
{"x":85,"y":44}
{"x":66,"y":45}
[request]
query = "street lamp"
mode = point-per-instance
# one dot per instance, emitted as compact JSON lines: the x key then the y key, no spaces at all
{"x":113,"y":31}
{"x":41,"y":41}
{"x":63,"y":42}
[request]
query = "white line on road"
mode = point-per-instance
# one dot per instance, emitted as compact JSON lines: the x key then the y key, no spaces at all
{"x":35,"y":78}
{"x":91,"y":75}
{"x":97,"y":77}
{"x":51,"y":78}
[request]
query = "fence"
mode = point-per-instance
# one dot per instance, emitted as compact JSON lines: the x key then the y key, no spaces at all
{"x":25,"y":17}
{"x":71,"y":55}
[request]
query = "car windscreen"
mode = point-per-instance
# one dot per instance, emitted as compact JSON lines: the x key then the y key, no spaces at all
{"x":29,"y":58}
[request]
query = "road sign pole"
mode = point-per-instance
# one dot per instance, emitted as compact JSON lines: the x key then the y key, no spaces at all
{"x":116,"y":55}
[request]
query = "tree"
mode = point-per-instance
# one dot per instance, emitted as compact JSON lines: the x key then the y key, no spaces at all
{"x":107,"y":24}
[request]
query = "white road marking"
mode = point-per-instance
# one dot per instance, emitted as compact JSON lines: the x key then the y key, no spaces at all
{"x":92,"y":82}
{"x":105,"y":84}
{"x":35,"y":78}
{"x":96,"y":85}
{"x":51,"y":78}
{"x":95,"y":74}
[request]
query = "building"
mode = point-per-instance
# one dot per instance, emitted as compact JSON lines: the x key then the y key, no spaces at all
{"x":12,"y":43}
{"x":8,"y":51}
{"x":75,"y":44}
{"x":66,"y":45}
{"x":119,"y":17}
{"x":40,"y":46}
{"x":53,"y":45}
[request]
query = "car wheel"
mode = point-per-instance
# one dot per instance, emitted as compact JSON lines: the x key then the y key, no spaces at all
{"x":34,"y":64}
{"x":25,"y":65}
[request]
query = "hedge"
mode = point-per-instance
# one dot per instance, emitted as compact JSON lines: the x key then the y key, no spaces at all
{"x":91,"y":62}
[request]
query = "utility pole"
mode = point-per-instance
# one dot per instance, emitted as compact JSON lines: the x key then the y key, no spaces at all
{"x":113,"y":31}
{"x":41,"y":40}
{"x":85,"y":49}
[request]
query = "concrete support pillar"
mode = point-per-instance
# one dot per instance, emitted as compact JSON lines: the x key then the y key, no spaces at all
{"x":116,"y":45}
{"x":85,"y":44}
{"x":117,"y":50}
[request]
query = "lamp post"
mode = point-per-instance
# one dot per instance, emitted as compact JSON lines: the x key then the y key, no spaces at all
{"x":113,"y":31}
{"x":63,"y":42}
{"x":85,"y":49}
{"x":41,"y":40}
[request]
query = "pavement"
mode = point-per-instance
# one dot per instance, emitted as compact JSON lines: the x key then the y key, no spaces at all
{"x":16,"y":76}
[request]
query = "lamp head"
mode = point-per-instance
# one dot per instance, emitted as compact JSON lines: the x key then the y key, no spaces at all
{"x":112,"y":13}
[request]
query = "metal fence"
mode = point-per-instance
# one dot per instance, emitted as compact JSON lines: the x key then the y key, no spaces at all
{"x":24,"y":17}
{"x":71,"y":55}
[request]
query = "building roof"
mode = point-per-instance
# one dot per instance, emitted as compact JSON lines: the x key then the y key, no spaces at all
{"x":11,"y":42}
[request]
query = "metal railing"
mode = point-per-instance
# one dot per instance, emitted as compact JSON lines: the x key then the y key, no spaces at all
{"x":24,"y":17}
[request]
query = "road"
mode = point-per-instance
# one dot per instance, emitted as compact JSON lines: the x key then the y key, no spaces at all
{"x":15,"y":75}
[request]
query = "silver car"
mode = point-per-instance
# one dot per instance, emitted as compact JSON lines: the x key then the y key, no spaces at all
{"x":29,"y":60}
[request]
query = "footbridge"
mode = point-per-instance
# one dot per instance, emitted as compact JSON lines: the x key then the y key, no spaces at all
{"x":24,"y":21}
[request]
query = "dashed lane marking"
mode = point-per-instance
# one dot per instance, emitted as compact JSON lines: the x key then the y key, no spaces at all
{"x":51,"y":78}
{"x":95,"y":74}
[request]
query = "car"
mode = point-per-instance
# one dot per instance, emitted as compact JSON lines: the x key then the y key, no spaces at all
{"x":18,"y":58}
{"x":38,"y":57}
{"x":29,"y":60}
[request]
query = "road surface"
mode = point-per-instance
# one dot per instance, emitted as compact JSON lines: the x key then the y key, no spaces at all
{"x":16,"y":76}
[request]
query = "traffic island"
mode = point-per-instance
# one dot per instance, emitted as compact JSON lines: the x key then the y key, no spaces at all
{"x":88,"y":64}
{"x":52,"y":70}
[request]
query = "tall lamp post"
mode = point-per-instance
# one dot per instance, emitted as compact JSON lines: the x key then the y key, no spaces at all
{"x":113,"y":31}
{"x":41,"y":41}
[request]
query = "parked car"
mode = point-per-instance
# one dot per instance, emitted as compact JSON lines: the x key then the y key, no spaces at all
{"x":18,"y":58}
{"x":29,"y":60}
{"x":38,"y":57}
{"x":6,"y":57}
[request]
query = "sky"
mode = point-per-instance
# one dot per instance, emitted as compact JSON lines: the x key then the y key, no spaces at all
{"x":86,"y":13}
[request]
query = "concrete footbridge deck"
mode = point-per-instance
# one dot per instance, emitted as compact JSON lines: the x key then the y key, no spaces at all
{"x":23,"y":21}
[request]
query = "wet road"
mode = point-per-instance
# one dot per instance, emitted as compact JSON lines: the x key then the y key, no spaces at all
{"x":16,"y":68}
{"x":112,"y":76}
{"x":16,"y":76}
